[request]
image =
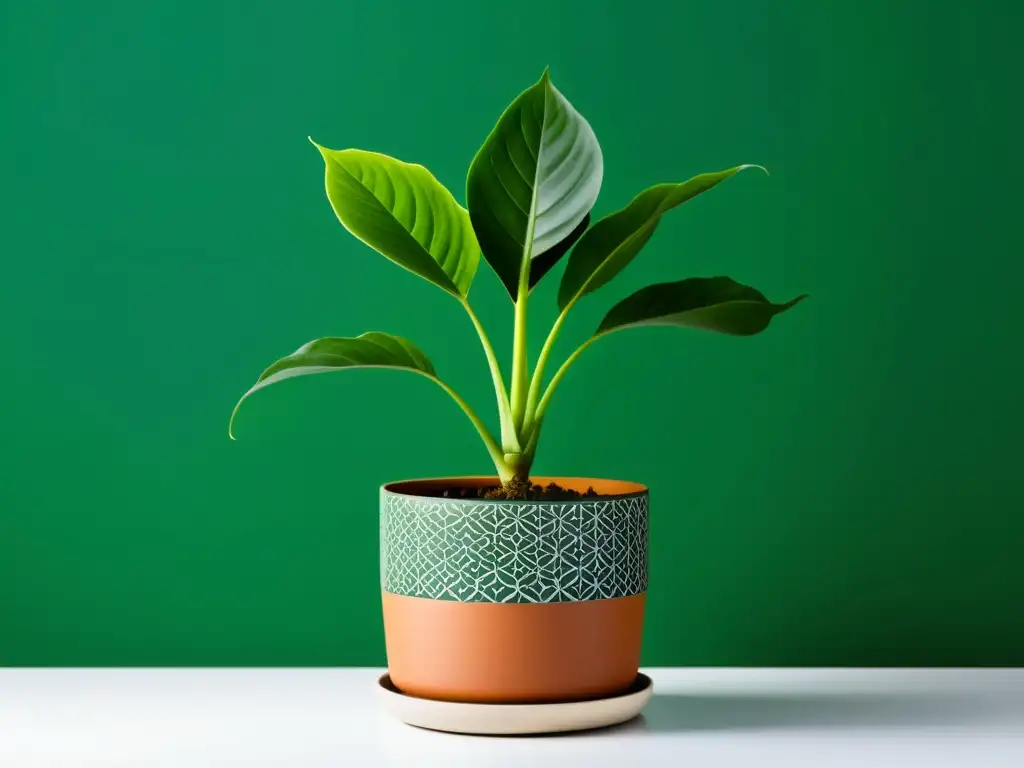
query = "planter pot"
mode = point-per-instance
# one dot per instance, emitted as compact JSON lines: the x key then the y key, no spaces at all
{"x":513,"y":601}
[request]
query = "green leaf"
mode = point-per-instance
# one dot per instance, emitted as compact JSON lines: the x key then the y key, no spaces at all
{"x":542,"y":264}
{"x":404,"y":213}
{"x":615,"y":240}
{"x":709,"y":303}
{"x":534,"y":181}
{"x":371,"y":350}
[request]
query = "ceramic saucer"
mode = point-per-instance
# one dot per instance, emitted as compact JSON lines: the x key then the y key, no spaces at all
{"x":499,"y":719}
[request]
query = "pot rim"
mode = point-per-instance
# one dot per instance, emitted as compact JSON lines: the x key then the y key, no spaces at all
{"x":406,"y":488}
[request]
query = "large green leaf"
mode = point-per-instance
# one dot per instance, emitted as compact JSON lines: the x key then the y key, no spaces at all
{"x":371,"y":350}
{"x":615,"y":240}
{"x":402,"y":211}
{"x":533,"y":182}
{"x":709,"y":303}
{"x":542,"y":264}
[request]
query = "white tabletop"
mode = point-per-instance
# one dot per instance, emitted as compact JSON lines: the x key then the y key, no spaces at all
{"x":754,"y":718}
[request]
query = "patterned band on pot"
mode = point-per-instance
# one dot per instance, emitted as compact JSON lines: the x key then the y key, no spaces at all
{"x":513,"y":552}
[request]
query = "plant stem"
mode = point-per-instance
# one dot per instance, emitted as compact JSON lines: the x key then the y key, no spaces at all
{"x":531,"y":441}
{"x":497,"y":455}
{"x":538,"y":371}
{"x":559,"y":374}
{"x":520,"y":362}
{"x":509,"y":438}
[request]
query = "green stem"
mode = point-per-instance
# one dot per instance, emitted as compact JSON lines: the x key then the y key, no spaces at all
{"x":497,"y":455}
{"x":538,"y":371}
{"x":509,"y":438}
{"x":531,"y":441}
{"x":520,"y":362}
{"x":559,"y":374}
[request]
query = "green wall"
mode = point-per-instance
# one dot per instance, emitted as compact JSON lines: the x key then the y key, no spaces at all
{"x":844,"y":489}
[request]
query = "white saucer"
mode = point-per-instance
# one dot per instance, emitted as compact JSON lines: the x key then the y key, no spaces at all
{"x":498,"y":719}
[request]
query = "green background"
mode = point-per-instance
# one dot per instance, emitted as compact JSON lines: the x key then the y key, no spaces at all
{"x":844,"y":489}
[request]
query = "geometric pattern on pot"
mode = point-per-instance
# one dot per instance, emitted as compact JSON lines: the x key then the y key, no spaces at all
{"x":513,"y":552}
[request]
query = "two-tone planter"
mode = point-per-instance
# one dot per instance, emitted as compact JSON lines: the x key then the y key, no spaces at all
{"x":513,"y":601}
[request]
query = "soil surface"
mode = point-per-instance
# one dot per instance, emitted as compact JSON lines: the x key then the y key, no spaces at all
{"x":526,"y":491}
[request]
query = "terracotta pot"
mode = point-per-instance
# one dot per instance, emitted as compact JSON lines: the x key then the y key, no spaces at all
{"x":513,"y":601}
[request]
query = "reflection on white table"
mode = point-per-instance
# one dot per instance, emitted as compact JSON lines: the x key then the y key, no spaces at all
{"x":702,"y":718}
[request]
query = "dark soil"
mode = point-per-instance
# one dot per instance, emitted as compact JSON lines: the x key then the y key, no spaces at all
{"x":522,"y":491}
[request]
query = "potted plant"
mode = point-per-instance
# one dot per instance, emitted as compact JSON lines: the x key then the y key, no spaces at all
{"x":513,"y":588}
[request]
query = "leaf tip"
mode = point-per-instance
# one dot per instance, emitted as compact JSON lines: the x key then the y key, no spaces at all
{"x":231,"y":421}
{"x":322,"y":150}
{"x":753,"y":165}
{"x":546,"y":75}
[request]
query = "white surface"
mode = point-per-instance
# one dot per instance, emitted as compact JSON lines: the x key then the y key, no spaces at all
{"x":506,"y":719}
{"x":193,"y":718}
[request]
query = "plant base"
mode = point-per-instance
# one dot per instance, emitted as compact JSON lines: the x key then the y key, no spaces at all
{"x":515,"y":488}
{"x":518,"y":490}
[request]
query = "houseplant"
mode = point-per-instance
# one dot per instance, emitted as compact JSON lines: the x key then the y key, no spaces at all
{"x":512,"y":588}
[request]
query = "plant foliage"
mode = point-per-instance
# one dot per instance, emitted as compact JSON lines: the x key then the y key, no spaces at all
{"x":529,"y":192}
